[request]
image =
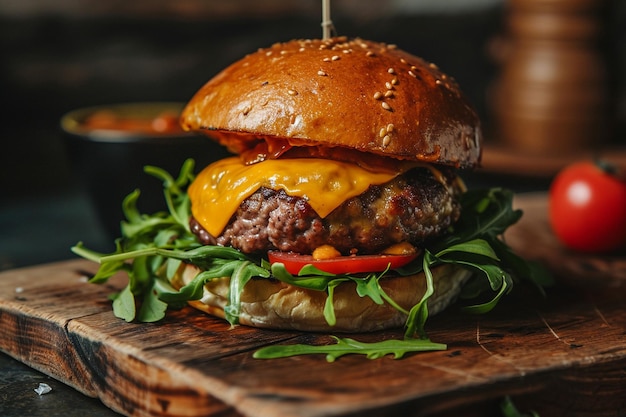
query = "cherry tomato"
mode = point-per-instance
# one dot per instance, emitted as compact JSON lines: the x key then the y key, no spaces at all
{"x":587,"y":208}
{"x":342,"y":264}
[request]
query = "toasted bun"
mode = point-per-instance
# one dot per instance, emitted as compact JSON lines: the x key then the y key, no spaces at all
{"x":274,"y":304}
{"x":337,"y":92}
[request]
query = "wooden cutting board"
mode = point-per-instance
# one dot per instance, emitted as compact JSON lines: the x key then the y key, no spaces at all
{"x":561,"y":356}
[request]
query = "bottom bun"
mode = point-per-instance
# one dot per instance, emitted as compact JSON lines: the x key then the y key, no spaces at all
{"x":270,"y":303}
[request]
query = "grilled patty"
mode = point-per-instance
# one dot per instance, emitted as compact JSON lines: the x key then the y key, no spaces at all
{"x":412,"y":207}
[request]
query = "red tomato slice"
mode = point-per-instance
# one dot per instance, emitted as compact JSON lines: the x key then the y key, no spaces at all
{"x":342,"y":264}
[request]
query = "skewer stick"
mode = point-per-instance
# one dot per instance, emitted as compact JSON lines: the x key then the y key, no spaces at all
{"x":327,"y":23}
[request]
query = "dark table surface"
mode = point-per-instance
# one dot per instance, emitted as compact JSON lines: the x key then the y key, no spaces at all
{"x":18,"y":397}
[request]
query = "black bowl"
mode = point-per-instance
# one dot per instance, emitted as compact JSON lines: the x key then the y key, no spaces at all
{"x":109,"y":163}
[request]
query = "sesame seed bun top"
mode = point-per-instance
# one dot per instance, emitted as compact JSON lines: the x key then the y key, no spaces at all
{"x":355,"y":94}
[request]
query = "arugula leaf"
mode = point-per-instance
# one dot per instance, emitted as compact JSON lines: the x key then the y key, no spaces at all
{"x":312,"y":282}
{"x":124,"y":304}
{"x":476,"y":246}
{"x":485,"y":216}
{"x":347,"y":346}
{"x":243,"y":271}
{"x":370,"y":287}
{"x":419,"y":312}
{"x":152,"y":308}
{"x":478,"y":255}
{"x":509,"y":409}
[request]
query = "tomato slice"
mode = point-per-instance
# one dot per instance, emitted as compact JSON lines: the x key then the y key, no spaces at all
{"x":353,"y":264}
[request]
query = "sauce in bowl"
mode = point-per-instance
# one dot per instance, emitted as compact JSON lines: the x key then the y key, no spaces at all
{"x":163,"y":123}
{"x":126,"y":122}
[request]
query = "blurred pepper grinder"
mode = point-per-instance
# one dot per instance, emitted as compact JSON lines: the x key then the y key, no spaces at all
{"x":551,"y":95}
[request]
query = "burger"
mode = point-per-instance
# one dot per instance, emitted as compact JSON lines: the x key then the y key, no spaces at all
{"x":341,"y":208}
{"x":345,"y":149}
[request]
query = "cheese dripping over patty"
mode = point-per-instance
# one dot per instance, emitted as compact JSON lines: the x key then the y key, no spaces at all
{"x":325,"y":184}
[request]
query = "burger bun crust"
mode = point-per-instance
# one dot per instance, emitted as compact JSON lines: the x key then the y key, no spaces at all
{"x":356,"y":94}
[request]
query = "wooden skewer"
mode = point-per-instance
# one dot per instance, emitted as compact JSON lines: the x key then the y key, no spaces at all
{"x":327,"y":23}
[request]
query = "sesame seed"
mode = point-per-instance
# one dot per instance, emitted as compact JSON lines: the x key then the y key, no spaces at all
{"x":413,"y":67}
{"x":377,"y":95}
{"x":321,"y":73}
{"x":391,"y":71}
{"x":412,"y":74}
{"x":394,"y":81}
{"x":292,"y":92}
{"x":438,"y":82}
{"x":336,"y":57}
{"x":301,"y":49}
{"x":268,"y":53}
{"x":403,"y":60}
{"x":382,"y":132}
{"x":326,"y":60}
{"x":388,"y":93}
{"x":370,"y":54}
{"x":385,"y":105}
{"x":390,"y":128}
{"x":246,"y":110}
{"x":388,"y":85}
{"x":386,"y":141}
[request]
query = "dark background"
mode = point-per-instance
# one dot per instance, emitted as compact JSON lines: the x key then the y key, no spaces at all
{"x":55,"y":58}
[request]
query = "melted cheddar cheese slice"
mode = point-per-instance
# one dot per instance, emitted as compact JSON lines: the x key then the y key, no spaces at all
{"x":220,"y":188}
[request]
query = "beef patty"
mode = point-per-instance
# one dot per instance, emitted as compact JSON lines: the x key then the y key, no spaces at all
{"x":412,"y":207}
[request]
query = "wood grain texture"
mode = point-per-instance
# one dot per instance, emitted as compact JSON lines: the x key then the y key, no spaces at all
{"x":561,"y":356}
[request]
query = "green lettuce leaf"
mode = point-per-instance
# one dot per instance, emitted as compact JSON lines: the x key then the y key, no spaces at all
{"x":347,"y":346}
